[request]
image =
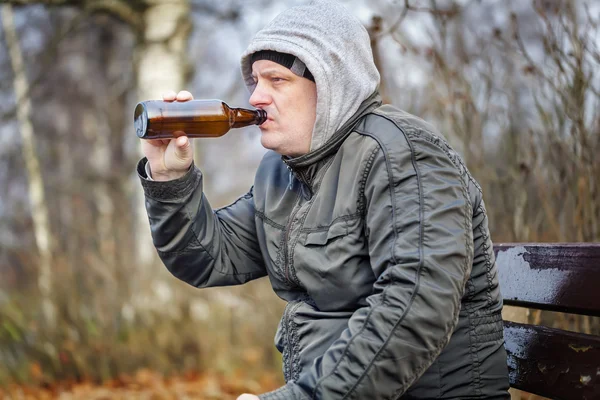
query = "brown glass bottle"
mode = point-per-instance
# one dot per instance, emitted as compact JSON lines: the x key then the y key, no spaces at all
{"x":156,"y":119}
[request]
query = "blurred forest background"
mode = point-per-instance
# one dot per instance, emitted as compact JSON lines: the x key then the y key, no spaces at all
{"x":84,"y":300}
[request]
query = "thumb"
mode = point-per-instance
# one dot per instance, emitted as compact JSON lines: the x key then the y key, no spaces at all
{"x":247,"y":396}
{"x":183,"y":148}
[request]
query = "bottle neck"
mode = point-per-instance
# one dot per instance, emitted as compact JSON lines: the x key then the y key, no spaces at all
{"x":243,"y":117}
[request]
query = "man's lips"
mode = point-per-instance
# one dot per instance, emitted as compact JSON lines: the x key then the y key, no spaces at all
{"x":269,"y":119}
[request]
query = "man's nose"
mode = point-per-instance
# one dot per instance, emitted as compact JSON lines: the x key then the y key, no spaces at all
{"x":259,"y":97}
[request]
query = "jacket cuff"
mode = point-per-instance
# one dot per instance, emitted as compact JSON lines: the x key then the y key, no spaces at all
{"x":148,"y":172}
{"x":168,"y":190}
{"x":290,"y":391}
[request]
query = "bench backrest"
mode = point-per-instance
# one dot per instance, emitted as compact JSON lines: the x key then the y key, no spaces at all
{"x":558,"y":277}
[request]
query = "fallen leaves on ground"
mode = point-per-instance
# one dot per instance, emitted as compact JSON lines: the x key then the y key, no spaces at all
{"x":149,"y":385}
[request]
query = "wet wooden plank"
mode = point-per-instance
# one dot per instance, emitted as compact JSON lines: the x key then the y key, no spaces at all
{"x":553,"y":363}
{"x":561,"y":277}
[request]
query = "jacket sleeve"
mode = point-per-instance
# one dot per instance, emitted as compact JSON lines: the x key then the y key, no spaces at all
{"x":198,"y":245}
{"x":418,"y":227}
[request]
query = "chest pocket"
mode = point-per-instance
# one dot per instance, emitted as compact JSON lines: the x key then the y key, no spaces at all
{"x":320,"y":238}
{"x":333,"y":265}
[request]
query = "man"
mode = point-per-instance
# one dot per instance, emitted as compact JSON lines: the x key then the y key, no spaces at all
{"x":364,"y":219}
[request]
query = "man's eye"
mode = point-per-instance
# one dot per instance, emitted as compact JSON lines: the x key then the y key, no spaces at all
{"x":276,"y":79}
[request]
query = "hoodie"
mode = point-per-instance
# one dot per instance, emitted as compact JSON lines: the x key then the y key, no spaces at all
{"x":344,"y":71}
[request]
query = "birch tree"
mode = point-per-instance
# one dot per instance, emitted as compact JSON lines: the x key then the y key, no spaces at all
{"x":162,"y":28}
{"x":161,"y":66}
{"x":39,"y":209}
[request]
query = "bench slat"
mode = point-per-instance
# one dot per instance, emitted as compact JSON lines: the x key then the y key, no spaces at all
{"x":553,"y":363}
{"x":550,"y":276}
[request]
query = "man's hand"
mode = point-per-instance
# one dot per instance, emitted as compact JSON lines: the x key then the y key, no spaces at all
{"x":169,"y":158}
{"x":247,"y":396}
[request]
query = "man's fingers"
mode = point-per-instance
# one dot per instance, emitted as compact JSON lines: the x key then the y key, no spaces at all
{"x":169,"y":96}
{"x":184,"y":95}
{"x":247,"y":396}
{"x":156,"y":142}
{"x":183,"y":143}
{"x":183,"y":148}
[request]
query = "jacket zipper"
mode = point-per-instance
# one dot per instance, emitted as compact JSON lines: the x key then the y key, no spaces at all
{"x":285,"y":242}
{"x":286,"y":267}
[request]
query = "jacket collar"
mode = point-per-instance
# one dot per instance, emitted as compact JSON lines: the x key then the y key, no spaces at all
{"x":306,"y":166}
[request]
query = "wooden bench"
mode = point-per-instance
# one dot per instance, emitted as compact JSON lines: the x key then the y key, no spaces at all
{"x":546,"y":361}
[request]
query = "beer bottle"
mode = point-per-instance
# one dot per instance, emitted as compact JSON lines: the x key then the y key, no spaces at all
{"x":156,"y":119}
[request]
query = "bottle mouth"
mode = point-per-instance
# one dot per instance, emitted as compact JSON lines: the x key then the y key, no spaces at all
{"x":140,"y":120}
{"x":262,"y":116}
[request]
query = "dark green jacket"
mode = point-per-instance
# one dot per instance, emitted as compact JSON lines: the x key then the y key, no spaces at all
{"x":379,"y":243}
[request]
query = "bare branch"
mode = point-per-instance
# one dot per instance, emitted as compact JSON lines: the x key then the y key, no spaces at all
{"x":44,"y":2}
{"x":47,"y":57}
{"x":208,"y":8}
{"x":447,"y":13}
{"x":116,"y":8}
{"x":394,"y":26}
{"x":120,"y":9}
{"x":538,"y":70}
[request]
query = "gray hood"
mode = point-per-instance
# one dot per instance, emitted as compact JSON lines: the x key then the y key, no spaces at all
{"x":337,"y":54}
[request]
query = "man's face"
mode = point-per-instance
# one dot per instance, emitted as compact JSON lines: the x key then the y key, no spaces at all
{"x":291,"y":105}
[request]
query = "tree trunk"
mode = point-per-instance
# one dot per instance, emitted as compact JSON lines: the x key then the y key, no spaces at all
{"x":39,"y":210}
{"x":161,"y":59}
